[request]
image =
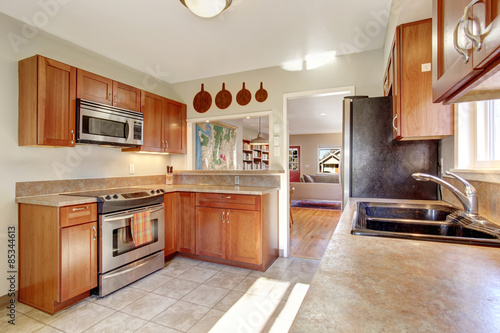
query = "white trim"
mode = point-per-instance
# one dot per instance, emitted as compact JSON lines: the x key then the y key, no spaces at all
{"x":351,"y":90}
{"x":230,"y":116}
{"x":482,"y":175}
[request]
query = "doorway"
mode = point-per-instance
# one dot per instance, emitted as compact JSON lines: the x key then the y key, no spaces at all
{"x":314,"y":121}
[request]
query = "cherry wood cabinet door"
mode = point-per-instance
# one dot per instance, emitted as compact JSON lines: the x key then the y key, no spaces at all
{"x":186,"y":221}
{"x":210,"y":237}
{"x":175,"y":127}
{"x":243,"y":235}
{"x":449,"y":69}
{"x":419,"y":116}
{"x":78,"y":259}
{"x":170,"y":203}
{"x":126,"y":97}
{"x":487,"y":15}
{"x":56,"y":103}
{"x":152,"y":108}
{"x":95,"y":88}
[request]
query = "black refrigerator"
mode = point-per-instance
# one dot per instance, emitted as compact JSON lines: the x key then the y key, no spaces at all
{"x":376,"y":166}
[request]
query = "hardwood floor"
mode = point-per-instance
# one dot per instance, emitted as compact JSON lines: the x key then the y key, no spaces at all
{"x":311,"y":231}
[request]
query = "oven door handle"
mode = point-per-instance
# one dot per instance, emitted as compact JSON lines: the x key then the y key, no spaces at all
{"x":117,"y":218}
{"x":120,"y":272}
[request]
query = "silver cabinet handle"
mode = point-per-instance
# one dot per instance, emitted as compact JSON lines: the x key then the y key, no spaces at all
{"x":95,"y":233}
{"x":227,"y":217}
{"x":72,"y":136}
{"x":228,"y":197}
{"x":223,"y":216}
{"x":115,"y":99}
{"x":393,"y":123}
{"x":166,"y":144}
{"x":476,"y":39}
{"x":82,"y":208}
{"x":109,"y":96}
{"x":463,"y":52}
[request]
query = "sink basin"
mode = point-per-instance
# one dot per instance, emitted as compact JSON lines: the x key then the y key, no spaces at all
{"x":422,"y":221}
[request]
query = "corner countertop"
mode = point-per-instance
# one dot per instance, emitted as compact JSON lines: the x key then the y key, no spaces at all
{"x":58,"y":200}
{"x":376,"y":284}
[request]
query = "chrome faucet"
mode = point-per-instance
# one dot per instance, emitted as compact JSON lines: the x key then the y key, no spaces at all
{"x":468,"y":200}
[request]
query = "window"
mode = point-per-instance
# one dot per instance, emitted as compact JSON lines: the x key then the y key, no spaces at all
{"x":328,"y":160}
{"x":477,"y":141}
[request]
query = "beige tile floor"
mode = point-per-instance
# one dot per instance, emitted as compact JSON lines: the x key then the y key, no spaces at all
{"x":186,"y":296}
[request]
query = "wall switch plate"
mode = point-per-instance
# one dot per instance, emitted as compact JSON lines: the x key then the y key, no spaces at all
{"x":276,"y":141}
{"x":426,"y":67}
{"x":236,"y":180}
{"x":276,"y":128}
{"x":276,"y":151}
{"x":131,"y":169}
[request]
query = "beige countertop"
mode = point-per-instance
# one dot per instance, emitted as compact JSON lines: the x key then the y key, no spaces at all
{"x":376,"y":284}
{"x":58,"y":200}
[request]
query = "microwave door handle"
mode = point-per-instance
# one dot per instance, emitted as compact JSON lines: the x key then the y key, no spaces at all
{"x":129,"y":129}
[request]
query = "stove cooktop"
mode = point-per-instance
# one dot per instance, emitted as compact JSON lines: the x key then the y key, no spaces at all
{"x":120,"y":193}
{"x":115,"y":199}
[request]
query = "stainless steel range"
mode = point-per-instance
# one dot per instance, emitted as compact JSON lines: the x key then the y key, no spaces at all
{"x":121,"y":261}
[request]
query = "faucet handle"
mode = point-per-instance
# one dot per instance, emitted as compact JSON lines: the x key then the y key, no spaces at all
{"x":469,"y":189}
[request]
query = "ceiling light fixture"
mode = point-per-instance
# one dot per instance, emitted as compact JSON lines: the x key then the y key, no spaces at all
{"x":259,"y":140}
{"x":206,"y":8}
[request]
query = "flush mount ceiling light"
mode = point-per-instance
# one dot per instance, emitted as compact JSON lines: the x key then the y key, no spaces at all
{"x":206,"y":8}
{"x":259,"y":140}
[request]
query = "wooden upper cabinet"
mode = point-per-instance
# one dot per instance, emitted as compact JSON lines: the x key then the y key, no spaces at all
{"x":152,"y":108}
{"x":466,"y":50}
{"x":94,"y":87}
{"x":126,"y":97}
{"x":415,"y":116}
{"x":47,"y":94}
{"x":175,"y":127}
{"x":102,"y":90}
{"x":164,"y":125}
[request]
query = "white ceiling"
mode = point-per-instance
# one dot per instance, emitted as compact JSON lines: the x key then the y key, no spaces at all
{"x":164,"y":35}
{"x":315,"y":114}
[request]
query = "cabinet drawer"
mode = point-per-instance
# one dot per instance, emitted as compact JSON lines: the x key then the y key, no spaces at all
{"x":73,"y":215}
{"x":230,"y":201}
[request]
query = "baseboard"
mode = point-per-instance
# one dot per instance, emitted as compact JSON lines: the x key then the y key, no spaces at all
{"x":5,"y":299}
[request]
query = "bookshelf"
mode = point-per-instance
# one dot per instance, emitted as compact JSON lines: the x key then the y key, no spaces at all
{"x":255,"y":157}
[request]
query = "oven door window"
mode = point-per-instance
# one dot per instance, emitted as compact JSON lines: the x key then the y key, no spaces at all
{"x":122,"y":238}
{"x":104,"y":127}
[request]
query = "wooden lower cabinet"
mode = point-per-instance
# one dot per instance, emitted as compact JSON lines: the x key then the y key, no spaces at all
{"x":78,"y":259}
{"x":186,"y":222}
{"x":57,"y":255}
{"x":246,"y":237}
{"x":170,"y":203}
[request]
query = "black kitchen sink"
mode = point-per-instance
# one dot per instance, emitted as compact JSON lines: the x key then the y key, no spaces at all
{"x":423,"y":222}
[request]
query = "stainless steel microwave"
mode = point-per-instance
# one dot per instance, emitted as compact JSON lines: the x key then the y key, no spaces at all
{"x":108,"y":125}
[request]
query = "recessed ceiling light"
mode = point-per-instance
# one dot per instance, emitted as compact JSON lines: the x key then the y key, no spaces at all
{"x":207,"y":121}
{"x":322,"y":114}
{"x":248,"y":117}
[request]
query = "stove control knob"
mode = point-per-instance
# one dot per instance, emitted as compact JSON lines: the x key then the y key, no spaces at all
{"x":152,"y":191}
{"x":108,"y":197}
{"x":115,"y":196}
{"x":162,"y":191}
{"x":157,"y":191}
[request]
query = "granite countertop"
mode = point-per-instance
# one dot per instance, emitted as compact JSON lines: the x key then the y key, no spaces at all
{"x":58,"y":200}
{"x":376,"y":284}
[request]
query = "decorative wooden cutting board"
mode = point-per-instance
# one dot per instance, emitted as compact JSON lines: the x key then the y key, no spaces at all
{"x":261,"y":94}
{"x":244,"y":96}
{"x":202,"y":101}
{"x":223,"y":98}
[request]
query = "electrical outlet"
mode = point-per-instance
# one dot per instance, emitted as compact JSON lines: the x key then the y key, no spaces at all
{"x":131,"y":169}
{"x":236,"y":180}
